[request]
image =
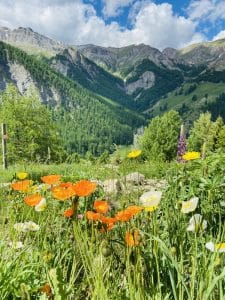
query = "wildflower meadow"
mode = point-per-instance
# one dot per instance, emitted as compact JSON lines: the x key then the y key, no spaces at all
{"x":64,"y":237}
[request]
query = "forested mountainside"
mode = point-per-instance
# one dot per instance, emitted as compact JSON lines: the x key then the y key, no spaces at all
{"x":101,"y":95}
{"x":87,"y":121}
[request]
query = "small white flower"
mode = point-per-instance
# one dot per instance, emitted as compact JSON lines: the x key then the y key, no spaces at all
{"x":196,"y":223}
{"x":189,"y":206}
{"x":41,"y":206}
{"x":220,"y":247}
{"x":31,"y":226}
{"x":151,"y":199}
{"x":20,"y":227}
{"x":16,"y":245}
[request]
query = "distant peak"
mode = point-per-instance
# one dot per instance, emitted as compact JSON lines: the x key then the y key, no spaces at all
{"x":4,"y":28}
{"x":25,"y":29}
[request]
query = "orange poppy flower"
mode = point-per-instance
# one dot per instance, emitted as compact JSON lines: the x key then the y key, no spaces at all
{"x":132,"y":239}
{"x":92,"y":216}
{"x":46,"y":289}
{"x":108,"y":220}
{"x":65,"y":184}
{"x":123,"y":215}
{"x":51,"y":179}
{"x":134,"y":209}
{"x":33,"y":200}
{"x":84,"y":188}
{"x":69,"y":212}
{"x":21,"y":186}
{"x":107,"y":228}
{"x":62,"y":193}
{"x":101,"y":206}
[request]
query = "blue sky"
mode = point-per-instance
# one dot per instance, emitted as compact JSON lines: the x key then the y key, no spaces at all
{"x":161,"y":24}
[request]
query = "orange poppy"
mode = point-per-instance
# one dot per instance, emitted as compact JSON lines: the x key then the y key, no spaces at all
{"x":33,"y":200}
{"x":51,"y":179}
{"x":123,"y":215}
{"x":132,"y":239}
{"x":92,"y":216}
{"x":62,"y":193}
{"x":108,"y":220}
{"x":84,"y":188}
{"x":65,"y":184}
{"x":108,"y":223}
{"x":69,"y":212}
{"x":46,"y":288}
{"x":101,"y":206}
{"x":21,"y":186}
{"x":107,"y":228}
{"x":134,"y":209}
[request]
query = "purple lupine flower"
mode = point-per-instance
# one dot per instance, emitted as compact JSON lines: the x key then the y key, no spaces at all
{"x":181,"y":146}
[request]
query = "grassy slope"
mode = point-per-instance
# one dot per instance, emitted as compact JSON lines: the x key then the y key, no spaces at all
{"x":185,"y":50}
{"x":175,"y":102}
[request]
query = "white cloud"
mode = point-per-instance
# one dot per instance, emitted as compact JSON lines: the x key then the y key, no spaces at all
{"x":74,"y":22}
{"x":113,"y":8}
{"x":158,"y":26}
{"x":206,"y":10}
{"x":220,"y":35}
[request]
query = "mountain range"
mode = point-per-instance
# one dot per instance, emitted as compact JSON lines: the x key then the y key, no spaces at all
{"x":100,"y":95}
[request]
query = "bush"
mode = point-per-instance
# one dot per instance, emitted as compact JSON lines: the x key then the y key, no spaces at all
{"x":159,"y":141}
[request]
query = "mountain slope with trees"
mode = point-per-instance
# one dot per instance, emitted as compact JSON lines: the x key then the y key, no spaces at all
{"x":84,"y":118}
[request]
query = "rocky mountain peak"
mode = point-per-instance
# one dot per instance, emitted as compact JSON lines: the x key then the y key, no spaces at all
{"x":27,"y":39}
{"x":170,"y":52}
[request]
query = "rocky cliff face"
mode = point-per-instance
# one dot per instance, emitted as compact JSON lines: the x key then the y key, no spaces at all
{"x":118,"y":60}
{"x":211,"y":54}
{"x":145,"y":81}
{"x":14,"y":72}
{"x":30,"y":41}
{"x":21,"y":77}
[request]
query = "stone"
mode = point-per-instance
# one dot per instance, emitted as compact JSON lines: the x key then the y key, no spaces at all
{"x":112,"y":186}
{"x":135,"y":178}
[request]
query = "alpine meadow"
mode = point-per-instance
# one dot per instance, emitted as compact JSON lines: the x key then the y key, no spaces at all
{"x":113,"y":157}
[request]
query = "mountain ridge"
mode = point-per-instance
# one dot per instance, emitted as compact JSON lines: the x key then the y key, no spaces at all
{"x":124,"y":83}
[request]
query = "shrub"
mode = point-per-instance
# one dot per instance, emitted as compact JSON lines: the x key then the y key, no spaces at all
{"x":159,"y":141}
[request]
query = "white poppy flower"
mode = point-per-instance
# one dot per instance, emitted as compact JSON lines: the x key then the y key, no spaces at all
{"x":150,"y":200}
{"x":189,"y":206}
{"x":16,"y":245}
{"x":31,"y":226}
{"x":220,"y":247}
{"x":196,"y":223}
{"x":20,"y":227}
{"x":41,"y":206}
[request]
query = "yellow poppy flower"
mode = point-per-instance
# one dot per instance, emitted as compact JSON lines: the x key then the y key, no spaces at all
{"x":191,"y":155}
{"x":21,"y":175}
{"x":134,"y":154}
{"x":220,"y":247}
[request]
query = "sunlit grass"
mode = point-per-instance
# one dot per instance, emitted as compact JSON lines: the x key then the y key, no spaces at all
{"x":150,"y":254}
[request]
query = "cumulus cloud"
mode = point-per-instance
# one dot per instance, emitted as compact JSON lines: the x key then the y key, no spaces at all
{"x":209,"y":10}
{"x":113,"y":8}
{"x":74,"y":22}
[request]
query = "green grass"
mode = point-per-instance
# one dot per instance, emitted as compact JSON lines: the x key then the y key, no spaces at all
{"x":33,"y":50}
{"x":175,"y":101}
{"x":78,"y":261}
{"x":206,"y":44}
